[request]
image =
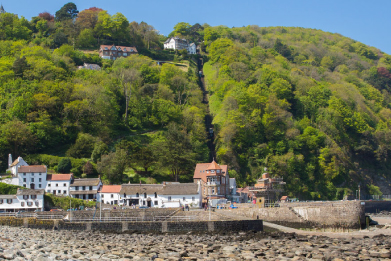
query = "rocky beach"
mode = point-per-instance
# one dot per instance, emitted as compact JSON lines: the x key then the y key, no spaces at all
{"x":32,"y":244}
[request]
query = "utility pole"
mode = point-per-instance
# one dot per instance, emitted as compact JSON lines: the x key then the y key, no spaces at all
{"x":100,"y":210}
{"x":70,"y":210}
{"x":359,"y":196}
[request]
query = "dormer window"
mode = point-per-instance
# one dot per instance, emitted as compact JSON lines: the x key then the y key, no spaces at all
{"x":124,"y":49}
{"x":106,"y":48}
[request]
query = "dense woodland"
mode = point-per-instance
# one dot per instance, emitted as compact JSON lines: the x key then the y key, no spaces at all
{"x":310,"y":106}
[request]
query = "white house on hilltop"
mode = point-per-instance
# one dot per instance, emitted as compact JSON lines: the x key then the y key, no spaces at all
{"x":13,"y":166}
{"x":24,"y":199}
{"x":176,"y":43}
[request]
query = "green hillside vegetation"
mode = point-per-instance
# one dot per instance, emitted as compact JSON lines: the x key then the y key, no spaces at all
{"x":310,"y":106}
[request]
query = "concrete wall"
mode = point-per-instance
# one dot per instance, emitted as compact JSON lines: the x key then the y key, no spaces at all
{"x":330,"y":214}
{"x":119,"y":227}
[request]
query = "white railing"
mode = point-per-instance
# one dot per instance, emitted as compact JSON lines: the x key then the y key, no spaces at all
{"x":104,"y":219}
{"x":50,"y":216}
{"x":173,"y":218}
{"x":213,"y":183}
{"x":26,"y":214}
{"x":8,"y":214}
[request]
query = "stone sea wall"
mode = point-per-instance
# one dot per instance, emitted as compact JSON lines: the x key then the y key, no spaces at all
{"x":330,"y":214}
{"x":119,"y":227}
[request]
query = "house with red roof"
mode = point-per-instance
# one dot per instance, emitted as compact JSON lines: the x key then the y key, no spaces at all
{"x":59,"y":184}
{"x":214,"y":180}
{"x":110,"y":194}
{"x":113,"y":52}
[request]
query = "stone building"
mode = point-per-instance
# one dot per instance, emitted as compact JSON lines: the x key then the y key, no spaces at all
{"x":213,"y":179}
{"x":85,"y":188}
{"x":113,"y":52}
{"x":23,"y":200}
{"x":267,"y":190}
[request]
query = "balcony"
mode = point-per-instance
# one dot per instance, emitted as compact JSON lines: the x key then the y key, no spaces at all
{"x":213,"y":183}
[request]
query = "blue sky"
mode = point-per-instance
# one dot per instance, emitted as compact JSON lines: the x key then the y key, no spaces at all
{"x":365,"y":21}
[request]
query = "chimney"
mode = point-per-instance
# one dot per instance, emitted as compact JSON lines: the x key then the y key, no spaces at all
{"x":9,"y":160}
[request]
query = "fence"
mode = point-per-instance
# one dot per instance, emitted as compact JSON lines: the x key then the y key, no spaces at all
{"x":174,"y":218}
{"x":104,"y":219}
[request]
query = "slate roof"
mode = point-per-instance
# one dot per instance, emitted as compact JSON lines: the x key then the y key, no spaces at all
{"x":32,"y":169}
{"x":85,"y":182}
{"x":59,"y":177}
{"x":200,"y":171}
{"x":30,"y":192}
{"x":110,"y":189}
{"x":160,"y":189}
{"x":7,"y":196}
{"x":128,"y":48}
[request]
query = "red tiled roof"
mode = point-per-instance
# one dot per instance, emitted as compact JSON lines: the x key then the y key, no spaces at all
{"x":59,"y":177}
{"x":284,"y":198}
{"x":200,"y":170}
{"x":213,"y":166}
{"x":110,"y":189}
{"x":32,"y":168}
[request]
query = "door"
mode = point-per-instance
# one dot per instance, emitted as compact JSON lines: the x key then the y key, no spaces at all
{"x":32,"y":186}
{"x":149,"y":201}
{"x":54,"y":192}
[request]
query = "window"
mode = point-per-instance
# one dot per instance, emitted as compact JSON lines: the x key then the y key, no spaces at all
{"x":64,"y":192}
{"x":90,"y":187}
{"x":125,"y":54}
{"x":39,"y":185}
{"x":24,"y":180}
{"x":144,"y":203}
{"x":37,"y":203}
{"x":33,"y":196}
{"x":124,"y":195}
{"x":65,"y":184}
{"x":24,"y":174}
{"x":32,"y":174}
{"x":169,"y":198}
{"x":24,"y":185}
{"x":115,"y":202}
{"x":77,"y":188}
{"x":40,"y":180}
{"x":192,"y":198}
{"x":59,"y":191}
{"x":184,"y":198}
{"x":22,"y":204}
{"x":25,"y":197}
{"x":32,"y":179}
{"x":48,"y":190}
{"x":1,"y":201}
{"x":84,"y":187}
{"x":155,"y":203}
{"x":103,"y":195}
{"x":29,"y":204}
{"x":9,"y":200}
{"x":145,"y":195}
{"x":137,"y":195}
{"x":56,"y":184}
{"x":155,"y":195}
{"x":49,"y":185}
{"x":39,"y":174}
{"x":112,"y":195}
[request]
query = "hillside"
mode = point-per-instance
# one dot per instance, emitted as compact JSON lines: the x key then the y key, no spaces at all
{"x":310,"y":106}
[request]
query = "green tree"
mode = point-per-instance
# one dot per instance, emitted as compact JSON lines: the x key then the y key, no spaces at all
{"x":113,"y":165}
{"x":64,"y":166}
{"x":68,"y":11}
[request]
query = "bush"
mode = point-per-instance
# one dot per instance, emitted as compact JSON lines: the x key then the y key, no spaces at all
{"x":6,"y":189}
{"x":63,"y":202}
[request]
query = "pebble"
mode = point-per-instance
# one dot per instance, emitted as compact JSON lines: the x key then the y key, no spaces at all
{"x":18,"y":243}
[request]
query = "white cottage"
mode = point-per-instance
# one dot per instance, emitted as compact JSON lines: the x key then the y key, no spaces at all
{"x":13,"y":166}
{"x":59,"y":184}
{"x":85,"y":188}
{"x":173,"y":194}
{"x":24,"y":200}
{"x":110,"y":194}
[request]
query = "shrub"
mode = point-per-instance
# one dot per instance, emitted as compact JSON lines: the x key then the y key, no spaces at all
{"x":64,"y":166}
